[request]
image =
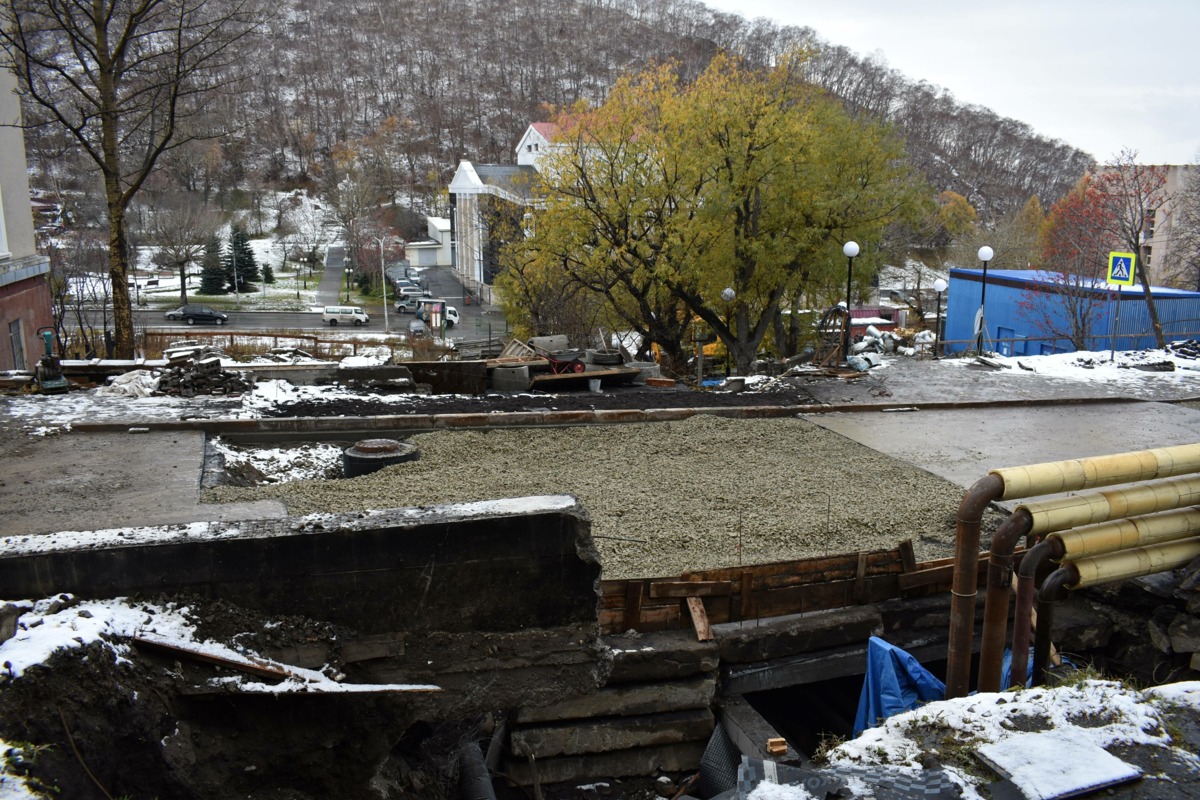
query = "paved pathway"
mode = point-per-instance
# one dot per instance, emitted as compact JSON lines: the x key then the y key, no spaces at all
{"x":331,"y":290}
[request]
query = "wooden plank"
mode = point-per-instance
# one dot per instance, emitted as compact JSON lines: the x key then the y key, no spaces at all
{"x":260,"y":668}
{"x":633,"y":605}
{"x":699,"y":619}
{"x":860,"y":578}
{"x":938,"y":574}
{"x":908,"y":556}
{"x":747,"y":588}
{"x":679,"y":589}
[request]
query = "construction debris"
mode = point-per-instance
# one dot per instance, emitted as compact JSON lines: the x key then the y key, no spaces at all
{"x":192,"y":369}
{"x":197,"y":370}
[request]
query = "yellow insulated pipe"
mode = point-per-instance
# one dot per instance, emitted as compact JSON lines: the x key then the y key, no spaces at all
{"x":1120,"y":534}
{"x":1125,"y":564}
{"x":1064,"y":513}
{"x":1085,"y":473}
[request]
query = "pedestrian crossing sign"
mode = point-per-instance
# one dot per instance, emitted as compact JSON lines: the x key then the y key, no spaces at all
{"x":1121,"y":268}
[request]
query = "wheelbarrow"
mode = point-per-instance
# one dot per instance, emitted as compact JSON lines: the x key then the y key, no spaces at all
{"x":562,"y":362}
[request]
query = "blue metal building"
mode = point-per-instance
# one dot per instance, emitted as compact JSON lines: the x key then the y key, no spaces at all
{"x":1012,"y":330}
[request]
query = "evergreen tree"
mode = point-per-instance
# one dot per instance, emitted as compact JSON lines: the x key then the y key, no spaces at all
{"x":212,"y":270}
{"x":239,"y":262}
{"x":268,"y":274}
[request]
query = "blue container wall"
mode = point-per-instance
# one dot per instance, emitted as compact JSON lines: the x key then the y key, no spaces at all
{"x":1179,"y":315}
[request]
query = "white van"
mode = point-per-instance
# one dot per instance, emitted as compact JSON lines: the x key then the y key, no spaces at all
{"x":344,"y":315}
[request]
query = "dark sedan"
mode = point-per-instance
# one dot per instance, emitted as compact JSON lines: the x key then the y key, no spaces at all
{"x":193,"y":313}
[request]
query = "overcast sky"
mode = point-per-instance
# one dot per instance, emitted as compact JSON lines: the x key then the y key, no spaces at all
{"x":1101,"y":75}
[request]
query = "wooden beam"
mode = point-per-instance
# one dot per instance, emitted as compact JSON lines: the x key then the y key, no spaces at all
{"x":677,"y":589}
{"x":860,"y":578}
{"x":747,"y":595}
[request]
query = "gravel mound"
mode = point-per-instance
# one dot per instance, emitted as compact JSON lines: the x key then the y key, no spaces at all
{"x":669,"y":497}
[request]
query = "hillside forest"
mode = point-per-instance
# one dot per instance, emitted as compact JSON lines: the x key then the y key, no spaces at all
{"x":371,"y":104}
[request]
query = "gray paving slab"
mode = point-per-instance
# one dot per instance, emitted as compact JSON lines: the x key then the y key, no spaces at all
{"x":962,"y":445}
{"x":96,"y":481}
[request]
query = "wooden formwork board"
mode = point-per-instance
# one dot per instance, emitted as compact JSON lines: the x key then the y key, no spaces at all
{"x":761,"y":591}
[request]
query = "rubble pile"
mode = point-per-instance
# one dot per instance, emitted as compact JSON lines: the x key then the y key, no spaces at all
{"x":196,"y":369}
{"x":1187,"y":348}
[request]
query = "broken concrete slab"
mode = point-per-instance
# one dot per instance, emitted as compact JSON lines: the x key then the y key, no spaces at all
{"x":780,"y":637}
{"x":664,"y":655}
{"x":749,"y":732}
{"x":619,"y":764}
{"x":497,"y":601}
{"x":627,"y":699}
{"x":613,"y":733}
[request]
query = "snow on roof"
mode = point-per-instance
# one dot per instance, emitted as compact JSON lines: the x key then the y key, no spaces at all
{"x":1041,"y":277}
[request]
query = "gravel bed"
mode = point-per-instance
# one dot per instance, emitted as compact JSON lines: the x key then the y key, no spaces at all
{"x":669,"y":497}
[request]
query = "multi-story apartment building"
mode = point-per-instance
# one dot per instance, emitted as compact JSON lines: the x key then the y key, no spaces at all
{"x":24,"y":275}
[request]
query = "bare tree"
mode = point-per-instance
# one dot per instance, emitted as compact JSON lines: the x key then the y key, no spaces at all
{"x":78,"y":290}
{"x":1135,"y":193}
{"x":181,"y":226}
{"x":121,"y":77}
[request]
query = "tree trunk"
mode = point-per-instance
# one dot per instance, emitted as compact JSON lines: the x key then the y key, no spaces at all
{"x":183,"y":283}
{"x":1144,"y":278}
{"x":118,"y":277}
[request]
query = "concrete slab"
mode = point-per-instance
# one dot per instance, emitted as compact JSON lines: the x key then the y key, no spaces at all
{"x":962,"y":445}
{"x":93,"y":481}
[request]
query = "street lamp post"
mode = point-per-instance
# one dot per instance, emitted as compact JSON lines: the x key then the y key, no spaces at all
{"x":728,"y":294}
{"x":349,"y":272}
{"x":850,"y":250}
{"x":939,"y":286}
{"x":383,"y":274}
{"x":985,"y":255}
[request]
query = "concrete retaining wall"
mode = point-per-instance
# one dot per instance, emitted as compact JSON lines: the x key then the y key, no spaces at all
{"x":497,"y":601}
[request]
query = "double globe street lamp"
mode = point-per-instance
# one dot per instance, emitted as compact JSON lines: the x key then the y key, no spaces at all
{"x":985,"y":255}
{"x":939,"y":286}
{"x":850,"y":250}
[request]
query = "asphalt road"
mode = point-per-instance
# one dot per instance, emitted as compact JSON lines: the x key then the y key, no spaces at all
{"x":475,"y":321}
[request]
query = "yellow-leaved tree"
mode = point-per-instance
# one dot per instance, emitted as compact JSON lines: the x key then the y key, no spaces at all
{"x":715,"y":200}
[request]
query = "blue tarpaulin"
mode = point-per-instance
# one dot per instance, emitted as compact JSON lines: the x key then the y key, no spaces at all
{"x":895,"y":682}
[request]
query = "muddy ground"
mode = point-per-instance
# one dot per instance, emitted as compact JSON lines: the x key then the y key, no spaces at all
{"x":781,"y":392}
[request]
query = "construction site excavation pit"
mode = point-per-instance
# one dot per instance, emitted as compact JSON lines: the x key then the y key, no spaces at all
{"x":664,"y":498}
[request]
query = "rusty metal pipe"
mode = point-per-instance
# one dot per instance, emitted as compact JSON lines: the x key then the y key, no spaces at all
{"x":966,"y":582}
{"x":995,"y":603}
{"x":1053,"y":590}
{"x":1036,"y":479}
{"x":1035,"y":559}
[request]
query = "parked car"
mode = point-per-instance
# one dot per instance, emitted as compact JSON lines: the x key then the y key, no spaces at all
{"x":407,"y":303}
{"x":417,"y":329}
{"x":193,"y":313}
{"x":344,"y":315}
{"x":412,"y":291}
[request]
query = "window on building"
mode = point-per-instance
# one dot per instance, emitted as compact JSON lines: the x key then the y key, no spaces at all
{"x":1147,"y":251}
{"x":1150,"y":224}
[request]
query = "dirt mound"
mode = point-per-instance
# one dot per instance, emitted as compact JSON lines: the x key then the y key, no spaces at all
{"x":779,"y":392}
{"x":115,"y":719}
